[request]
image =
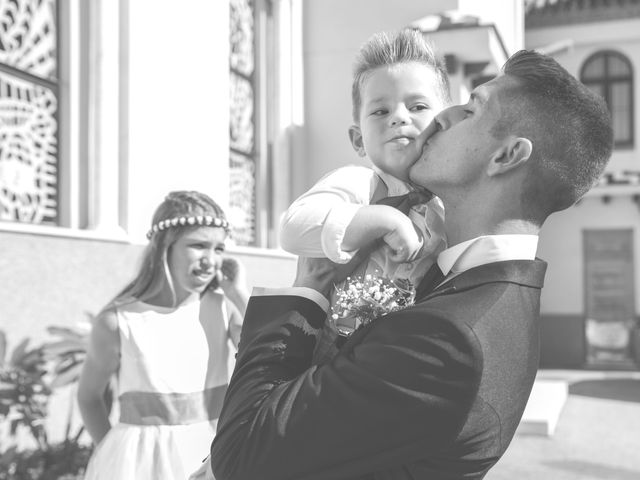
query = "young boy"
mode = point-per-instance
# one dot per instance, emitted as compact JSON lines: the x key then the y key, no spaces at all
{"x":398,"y":87}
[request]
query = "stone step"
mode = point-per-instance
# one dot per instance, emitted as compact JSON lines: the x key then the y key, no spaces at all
{"x":544,"y":407}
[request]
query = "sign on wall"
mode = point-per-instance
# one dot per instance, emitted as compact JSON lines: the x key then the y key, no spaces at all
{"x":609,"y":296}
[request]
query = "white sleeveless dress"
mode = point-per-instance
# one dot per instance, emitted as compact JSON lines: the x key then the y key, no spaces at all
{"x":174,"y":370}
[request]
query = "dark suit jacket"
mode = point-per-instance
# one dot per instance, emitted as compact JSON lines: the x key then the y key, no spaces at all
{"x":431,"y":392}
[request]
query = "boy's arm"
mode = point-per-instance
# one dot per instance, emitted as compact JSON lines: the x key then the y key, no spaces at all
{"x":334,"y":220}
{"x":372,"y":222}
{"x":315,"y":224}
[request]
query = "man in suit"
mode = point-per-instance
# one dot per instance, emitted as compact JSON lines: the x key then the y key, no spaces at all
{"x":434,"y":391}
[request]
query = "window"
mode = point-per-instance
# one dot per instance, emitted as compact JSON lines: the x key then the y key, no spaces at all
{"x":57,"y":63}
{"x":29,"y":170}
{"x":609,"y":74}
{"x":250,"y":27}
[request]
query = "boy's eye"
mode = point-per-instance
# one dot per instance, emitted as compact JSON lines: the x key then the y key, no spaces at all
{"x":219,"y":249}
{"x":380,"y":111}
{"x":420,"y":107}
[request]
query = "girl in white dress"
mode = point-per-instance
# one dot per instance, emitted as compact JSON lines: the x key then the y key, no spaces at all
{"x":168,"y":337}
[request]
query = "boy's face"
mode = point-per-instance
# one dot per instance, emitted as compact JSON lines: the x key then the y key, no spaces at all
{"x":398,"y":102}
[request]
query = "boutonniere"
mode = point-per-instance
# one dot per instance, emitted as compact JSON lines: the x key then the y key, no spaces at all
{"x":359,"y":300}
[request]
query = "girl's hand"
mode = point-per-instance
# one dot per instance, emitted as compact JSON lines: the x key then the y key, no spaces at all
{"x":231,"y":275}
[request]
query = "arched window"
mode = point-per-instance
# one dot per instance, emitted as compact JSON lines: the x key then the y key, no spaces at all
{"x":609,"y":74}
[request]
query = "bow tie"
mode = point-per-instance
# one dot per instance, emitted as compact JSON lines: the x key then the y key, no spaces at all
{"x":406,"y":201}
{"x":430,"y":281}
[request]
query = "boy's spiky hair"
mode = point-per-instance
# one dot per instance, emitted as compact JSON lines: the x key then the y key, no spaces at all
{"x":391,"y":48}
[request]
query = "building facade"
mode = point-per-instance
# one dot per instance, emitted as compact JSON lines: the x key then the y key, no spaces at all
{"x":590,"y":302}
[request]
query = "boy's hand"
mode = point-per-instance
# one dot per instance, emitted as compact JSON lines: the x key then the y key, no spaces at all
{"x":404,"y":242}
{"x":322,"y":274}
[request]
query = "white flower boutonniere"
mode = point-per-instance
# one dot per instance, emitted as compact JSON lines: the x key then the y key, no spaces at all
{"x":361,"y":299}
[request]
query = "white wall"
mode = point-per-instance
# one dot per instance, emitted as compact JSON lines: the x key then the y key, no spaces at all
{"x":561,"y":245}
{"x":508,"y":17}
{"x":178,"y":74}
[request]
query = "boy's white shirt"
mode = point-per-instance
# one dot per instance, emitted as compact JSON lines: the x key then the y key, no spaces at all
{"x":315,"y":224}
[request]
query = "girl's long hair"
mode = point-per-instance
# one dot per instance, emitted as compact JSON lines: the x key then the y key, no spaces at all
{"x":154,"y":269}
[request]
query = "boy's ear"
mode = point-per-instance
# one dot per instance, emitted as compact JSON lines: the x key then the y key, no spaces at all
{"x":514,"y":152}
{"x":355,"y":135}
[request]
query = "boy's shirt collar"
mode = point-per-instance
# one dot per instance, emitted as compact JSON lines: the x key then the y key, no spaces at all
{"x":394,"y":185}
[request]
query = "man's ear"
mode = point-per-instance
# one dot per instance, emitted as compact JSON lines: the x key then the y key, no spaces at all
{"x":355,"y":135}
{"x":514,"y":153}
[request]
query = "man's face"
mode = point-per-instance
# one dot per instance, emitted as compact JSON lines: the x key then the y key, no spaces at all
{"x":398,"y":102}
{"x":457,"y":154}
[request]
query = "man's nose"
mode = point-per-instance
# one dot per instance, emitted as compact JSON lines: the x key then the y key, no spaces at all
{"x":450,"y":116}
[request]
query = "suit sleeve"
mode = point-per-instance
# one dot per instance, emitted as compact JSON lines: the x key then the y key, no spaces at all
{"x":314,"y":225}
{"x":395,"y":393}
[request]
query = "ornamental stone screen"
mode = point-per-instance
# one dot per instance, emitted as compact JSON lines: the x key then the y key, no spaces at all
{"x":29,"y":176}
{"x":242,"y":129}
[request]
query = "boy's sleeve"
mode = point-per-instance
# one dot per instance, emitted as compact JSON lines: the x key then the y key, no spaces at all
{"x":314,"y":225}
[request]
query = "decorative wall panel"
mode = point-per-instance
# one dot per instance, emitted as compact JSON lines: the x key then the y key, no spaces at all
{"x":242,"y":129}
{"x":29,"y":169}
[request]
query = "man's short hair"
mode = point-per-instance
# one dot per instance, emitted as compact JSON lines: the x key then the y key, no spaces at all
{"x":568,"y":124}
{"x":392,"y":48}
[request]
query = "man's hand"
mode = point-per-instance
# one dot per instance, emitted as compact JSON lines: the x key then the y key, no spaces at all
{"x":322,"y":274}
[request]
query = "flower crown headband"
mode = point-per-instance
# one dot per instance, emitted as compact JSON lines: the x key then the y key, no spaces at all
{"x":183,"y":221}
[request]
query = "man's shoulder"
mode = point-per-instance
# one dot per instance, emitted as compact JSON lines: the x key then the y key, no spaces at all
{"x":499,"y":289}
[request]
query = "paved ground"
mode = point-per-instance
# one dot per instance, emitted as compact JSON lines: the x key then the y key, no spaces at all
{"x":597,"y":436}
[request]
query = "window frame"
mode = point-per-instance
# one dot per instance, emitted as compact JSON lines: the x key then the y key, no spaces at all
{"x":90,"y":202}
{"x":607,"y":81}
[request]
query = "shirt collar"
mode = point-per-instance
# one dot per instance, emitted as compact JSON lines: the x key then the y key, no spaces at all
{"x":487,"y":249}
{"x":395,"y":186}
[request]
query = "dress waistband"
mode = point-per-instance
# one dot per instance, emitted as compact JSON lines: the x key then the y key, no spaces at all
{"x":156,"y":408}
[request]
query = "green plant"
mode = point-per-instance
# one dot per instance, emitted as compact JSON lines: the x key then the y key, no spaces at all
{"x":23,"y":391}
{"x":27,"y":380}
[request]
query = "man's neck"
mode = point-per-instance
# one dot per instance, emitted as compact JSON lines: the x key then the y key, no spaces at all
{"x":486,"y":208}
{"x":460,"y":228}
